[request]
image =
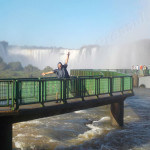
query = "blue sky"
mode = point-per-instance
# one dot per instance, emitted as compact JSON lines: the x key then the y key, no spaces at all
{"x":63,"y":23}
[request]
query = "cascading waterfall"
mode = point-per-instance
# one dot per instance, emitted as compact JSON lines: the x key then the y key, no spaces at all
{"x":88,"y":57}
{"x":80,"y":58}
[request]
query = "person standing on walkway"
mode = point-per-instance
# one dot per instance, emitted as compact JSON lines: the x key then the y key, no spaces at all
{"x":141,"y":67}
{"x":137,"y":69}
{"x":61,"y":72}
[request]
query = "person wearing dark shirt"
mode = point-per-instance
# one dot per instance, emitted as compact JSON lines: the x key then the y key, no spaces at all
{"x":61,"y":72}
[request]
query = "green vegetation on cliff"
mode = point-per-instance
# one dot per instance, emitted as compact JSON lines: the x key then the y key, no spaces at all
{"x":16,"y":70}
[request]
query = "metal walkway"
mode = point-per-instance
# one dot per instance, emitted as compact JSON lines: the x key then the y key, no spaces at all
{"x":17,"y":92}
{"x":27,"y":99}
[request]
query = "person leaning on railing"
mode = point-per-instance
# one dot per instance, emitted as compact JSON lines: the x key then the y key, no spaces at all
{"x":61,"y":72}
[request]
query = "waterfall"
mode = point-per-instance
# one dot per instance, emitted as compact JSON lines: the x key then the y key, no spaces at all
{"x":87,"y":57}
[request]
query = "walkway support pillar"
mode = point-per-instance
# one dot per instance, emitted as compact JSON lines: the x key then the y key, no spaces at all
{"x":117,"y":113}
{"x":6,"y":133}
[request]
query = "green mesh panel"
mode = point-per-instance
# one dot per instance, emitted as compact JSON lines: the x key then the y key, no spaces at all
{"x":6,"y":93}
{"x":104,"y":85}
{"x":71,"y":88}
{"x":116,"y":84}
{"x":89,"y":87}
{"x":28,"y":92}
{"x":52,"y":90}
{"x":127,"y":83}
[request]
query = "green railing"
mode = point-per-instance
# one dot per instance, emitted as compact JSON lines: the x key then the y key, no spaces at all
{"x":109,"y":72}
{"x":85,"y":72}
{"x":17,"y":92}
{"x":7,"y":92}
{"x":95,"y":72}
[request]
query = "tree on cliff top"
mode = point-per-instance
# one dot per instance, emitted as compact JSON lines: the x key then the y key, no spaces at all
{"x":15,"y":66}
{"x":30,"y":68}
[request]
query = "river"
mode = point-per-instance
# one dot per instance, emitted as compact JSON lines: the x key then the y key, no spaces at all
{"x":89,"y":129}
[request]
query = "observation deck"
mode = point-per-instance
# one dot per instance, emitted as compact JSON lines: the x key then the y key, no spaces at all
{"x":25,"y":99}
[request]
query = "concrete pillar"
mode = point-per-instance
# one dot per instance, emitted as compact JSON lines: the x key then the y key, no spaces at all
{"x":135,"y":80}
{"x":117,"y":113}
{"x":5,"y":133}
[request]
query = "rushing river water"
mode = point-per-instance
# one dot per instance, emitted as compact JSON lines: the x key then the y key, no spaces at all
{"x":89,"y":129}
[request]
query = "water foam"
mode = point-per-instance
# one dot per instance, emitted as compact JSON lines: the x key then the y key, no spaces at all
{"x":80,"y":111}
{"x":103,"y":119}
{"x":33,"y":123}
{"x":19,"y":145}
{"x":96,"y":128}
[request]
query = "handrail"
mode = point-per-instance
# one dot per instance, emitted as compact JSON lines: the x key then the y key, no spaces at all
{"x":23,"y":91}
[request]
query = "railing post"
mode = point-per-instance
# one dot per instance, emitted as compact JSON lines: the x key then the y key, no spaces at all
{"x":61,"y":92}
{"x":111,"y":86}
{"x":122,"y":80}
{"x":12,"y":100}
{"x":8,"y":93}
{"x":64,"y":91}
{"x":20,"y":92}
{"x":17,"y":95}
{"x":131,"y":86}
{"x":99,"y":86}
{"x":43,"y":96}
{"x":45,"y":87}
{"x":42,"y":92}
{"x":83,"y":89}
{"x":96,"y":87}
{"x":79,"y":87}
{"x":67,"y":88}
